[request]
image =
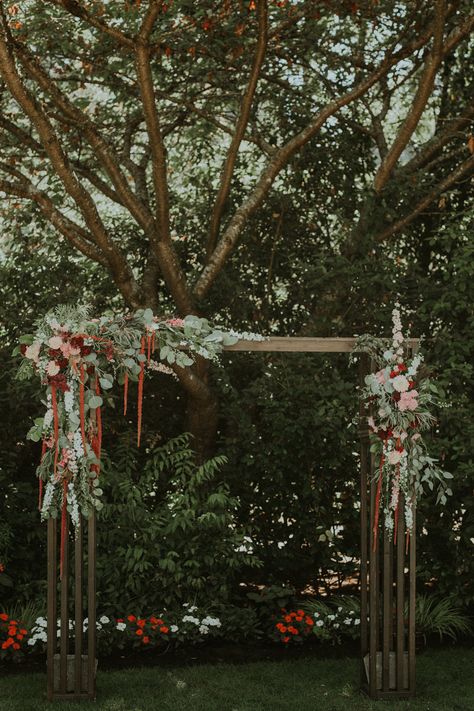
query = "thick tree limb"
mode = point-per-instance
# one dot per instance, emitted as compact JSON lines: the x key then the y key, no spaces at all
{"x":241,"y":127}
{"x":431,"y":148}
{"x":462,"y":171}
{"x":77,"y":10}
{"x":104,"y":151}
{"x":161,"y":240}
{"x":74,"y":233}
{"x":420,"y":100}
{"x":119,"y":267}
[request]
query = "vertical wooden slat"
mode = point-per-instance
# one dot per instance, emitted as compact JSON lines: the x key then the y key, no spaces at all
{"x":51,"y":607}
{"x":64,"y":612}
{"x":91,"y":632}
{"x":373,"y":593}
{"x":78,"y":617}
{"x":412,"y":607}
{"x":400,"y":661}
{"x":386,"y":613}
{"x":364,"y":463}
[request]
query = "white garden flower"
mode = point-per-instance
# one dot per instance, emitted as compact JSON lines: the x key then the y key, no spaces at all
{"x":203,"y":629}
{"x":319,"y":623}
{"x":104,"y":620}
{"x":121,"y":626}
{"x":190,"y":618}
{"x":174,"y":628}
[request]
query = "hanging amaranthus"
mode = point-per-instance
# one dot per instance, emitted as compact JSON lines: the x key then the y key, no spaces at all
{"x":79,"y":359}
{"x":399,"y":399}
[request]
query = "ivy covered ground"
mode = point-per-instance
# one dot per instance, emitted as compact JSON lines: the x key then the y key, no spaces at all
{"x":445,"y":683}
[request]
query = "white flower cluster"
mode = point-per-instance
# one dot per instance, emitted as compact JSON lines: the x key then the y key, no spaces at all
{"x":340,"y":620}
{"x":204,"y":624}
{"x":74,"y":506}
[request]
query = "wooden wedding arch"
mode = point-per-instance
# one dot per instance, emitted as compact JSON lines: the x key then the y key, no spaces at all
{"x":387,"y":578}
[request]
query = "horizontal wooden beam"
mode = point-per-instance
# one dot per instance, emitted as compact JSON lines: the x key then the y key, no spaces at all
{"x":301,"y":345}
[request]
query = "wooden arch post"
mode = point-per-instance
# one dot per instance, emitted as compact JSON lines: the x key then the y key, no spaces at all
{"x":387,"y":640}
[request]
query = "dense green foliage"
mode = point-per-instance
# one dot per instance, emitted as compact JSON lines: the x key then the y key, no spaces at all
{"x":310,"y":262}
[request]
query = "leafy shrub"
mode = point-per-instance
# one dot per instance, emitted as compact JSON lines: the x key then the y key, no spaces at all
{"x":442,"y":616}
{"x":169,"y":531}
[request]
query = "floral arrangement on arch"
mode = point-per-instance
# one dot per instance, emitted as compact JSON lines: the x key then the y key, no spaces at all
{"x":78,"y":360}
{"x":399,"y":399}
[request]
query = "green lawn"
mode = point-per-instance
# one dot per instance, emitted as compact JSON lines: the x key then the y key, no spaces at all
{"x":445,"y":683}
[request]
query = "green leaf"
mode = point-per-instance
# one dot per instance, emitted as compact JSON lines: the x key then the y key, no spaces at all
{"x":95,"y":401}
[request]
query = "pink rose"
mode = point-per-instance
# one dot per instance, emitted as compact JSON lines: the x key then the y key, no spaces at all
{"x":175,"y":322}
{"x":55,"y":342}
{"x":380,"y":375}
{"x":65,"y":349}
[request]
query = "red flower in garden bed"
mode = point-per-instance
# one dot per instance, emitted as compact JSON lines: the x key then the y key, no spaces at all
{"x":292,"y":626}
{"x":144,"y":630}
{"x":12,"y":635}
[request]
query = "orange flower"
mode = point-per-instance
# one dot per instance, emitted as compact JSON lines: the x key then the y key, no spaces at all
{"x":5,"y":645}
{"x":20,"y":637}
{"x":164,"y":629}
{"x":139,"y":632}
{"x":160,"y":621}
{"x":292,"y":630}
{"x":309,"y":621}
{"x":287,"y":618}
{"x":131,"y":618}
{"x":3,"y":616}
{"x":153,"y":620}
{"x":300,"y":613}
{"x":145,"y":640}
{"x":16,"y":646}
{"x":282,"y":629}
{"x":298,"y":618}
{"x":23,"y":632}
{"x":12,"y":631}
{"x":141,"y":623}
{"x":286,"y":639}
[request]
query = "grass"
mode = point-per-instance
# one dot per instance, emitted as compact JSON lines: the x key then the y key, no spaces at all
{"x":444,"y":683}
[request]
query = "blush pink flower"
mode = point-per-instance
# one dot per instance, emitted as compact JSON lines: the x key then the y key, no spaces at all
{"x":408,"y":401}
{"x":394,"y":457}
{"x":52,"y":368}
{"x":32,"y":352}
{"x":175,"y":322}
{"x":380,"y":375}
{"x":55,"y":342}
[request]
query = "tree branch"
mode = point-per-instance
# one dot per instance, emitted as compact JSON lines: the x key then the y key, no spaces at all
{"x":462,"y":171}
{"x":120,"y":269}
{"x":77,"y":10}
{"x":74,"y":233}
{"x":245,"y":109}
{"x":163,"y":247}
{"x":281,"y":158}
{"x":423,"y":93}
{"x":104,"y":151}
